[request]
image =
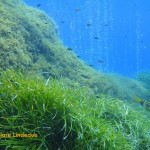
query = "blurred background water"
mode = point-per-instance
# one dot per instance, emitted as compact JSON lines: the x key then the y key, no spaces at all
{"x":109,"y":35}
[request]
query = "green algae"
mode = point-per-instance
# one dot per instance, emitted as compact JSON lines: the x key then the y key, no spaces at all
{"x":30,"y":40}
{"x":75,"y":107}
{"x":144,"y":78}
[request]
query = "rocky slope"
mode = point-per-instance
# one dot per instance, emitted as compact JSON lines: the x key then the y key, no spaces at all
{"x":29,"y":40}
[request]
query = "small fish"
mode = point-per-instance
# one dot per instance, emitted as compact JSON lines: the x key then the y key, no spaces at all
{"x":77,"y":10}
{"x":97,"y":96}
{"x":137,"y":99}
{"x":144,"y":103}
{"x":78,"y":56}
{"x":62,"y":22}
{"x":89,"y":24}
{"x":69,"y":49}
{"x":100,"y":61}
{"x":38,"y":5}
{"x":91,"y":65}
{"x":96,"y":38}
{"x":106,"y":25}
{"x":85,"y":76}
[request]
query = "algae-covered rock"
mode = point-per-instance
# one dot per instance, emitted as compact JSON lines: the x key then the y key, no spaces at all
{"x":29,"y":39}
{"x":61,"y":116}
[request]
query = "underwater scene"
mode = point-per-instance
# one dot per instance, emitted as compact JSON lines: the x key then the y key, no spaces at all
{"x":74,"y":75}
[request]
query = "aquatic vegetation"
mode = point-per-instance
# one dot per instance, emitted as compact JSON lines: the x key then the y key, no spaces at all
{"x":144,"y":77}
{"x":30,"y":40}
{"x":125,"y":85}
{"x":57,"y":96}
{"x":66,"y":118}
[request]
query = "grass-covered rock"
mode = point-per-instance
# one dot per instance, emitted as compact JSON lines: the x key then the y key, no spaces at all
{"x":144,"y":78}
{"x":29,"y":39}
{"x":57,"y":97}
{"x":66,"y":118}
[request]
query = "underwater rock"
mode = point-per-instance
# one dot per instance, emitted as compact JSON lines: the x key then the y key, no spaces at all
{"x":29,"y":40}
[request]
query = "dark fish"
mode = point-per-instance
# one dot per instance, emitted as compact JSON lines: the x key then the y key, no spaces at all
{"x":78,"y":56}
{"x":100,"y":61}
{"x":62,"y":22}
{"x":85,"y":76}
{"x":46,"y":23}
{"x":89,"y":24}
{"x":69,"y":49}
{"x":96,"y":38}
{"x":91,"y":65}
{"x":106,"y":25}
{"x":9,"y":32}
{"x":144,"y":103}
{"x":77,"y":10}
{"x":97,"y":96}
{"x":38,"y":5}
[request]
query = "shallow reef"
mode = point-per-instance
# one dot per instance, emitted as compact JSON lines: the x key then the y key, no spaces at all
{"x":48,"y":91}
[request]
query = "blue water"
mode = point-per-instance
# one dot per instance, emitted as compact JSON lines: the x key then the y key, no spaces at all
{"x":111,"y":35}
